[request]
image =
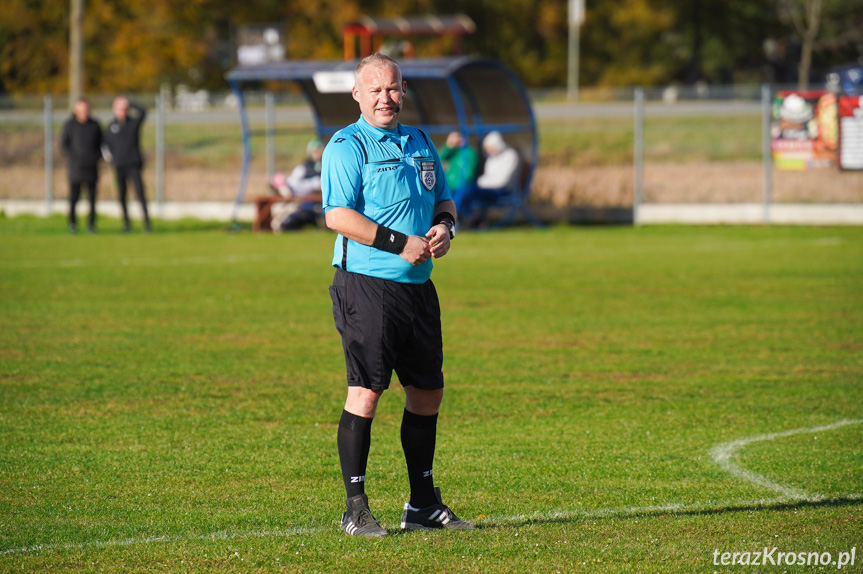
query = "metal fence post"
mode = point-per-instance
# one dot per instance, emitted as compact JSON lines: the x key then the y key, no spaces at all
{"x":766,"y":153}
{"x":49,"y":154}
{"x":160,"y":155}
{"x":638,"y":155}
{"x":271,"y":134}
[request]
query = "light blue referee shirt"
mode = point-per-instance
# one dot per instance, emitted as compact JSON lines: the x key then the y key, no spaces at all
{"x":392,"y":177}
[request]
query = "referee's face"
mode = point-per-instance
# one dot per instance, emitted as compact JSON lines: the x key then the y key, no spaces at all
{"x":379,"y":91}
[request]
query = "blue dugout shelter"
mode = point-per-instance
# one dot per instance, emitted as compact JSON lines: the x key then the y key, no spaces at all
{"x":467,"y":94}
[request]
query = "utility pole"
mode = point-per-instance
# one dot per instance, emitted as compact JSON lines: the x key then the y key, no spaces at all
{"x":76,"y":49}
{"x":576,"y":17}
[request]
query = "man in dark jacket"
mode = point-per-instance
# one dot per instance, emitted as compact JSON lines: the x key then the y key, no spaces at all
{"x":81,"y":144}
{"x":123,"y":137}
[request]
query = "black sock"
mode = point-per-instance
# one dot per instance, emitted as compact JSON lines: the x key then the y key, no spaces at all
{"x":418,"y":441}
{"x":354,"y":439}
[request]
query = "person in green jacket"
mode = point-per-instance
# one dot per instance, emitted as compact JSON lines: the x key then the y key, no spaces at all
{"x":461,"y":165}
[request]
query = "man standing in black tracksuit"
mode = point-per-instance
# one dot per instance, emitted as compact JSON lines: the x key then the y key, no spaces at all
{"x":123,"y":137}
{"x":81,"y":144}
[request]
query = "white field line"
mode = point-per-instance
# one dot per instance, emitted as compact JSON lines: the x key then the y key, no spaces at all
{"x":284,"y":532}
{"x":561,"y":515}
{"x":722,"y":454}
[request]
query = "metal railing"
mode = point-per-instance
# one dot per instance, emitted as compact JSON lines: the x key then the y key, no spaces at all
{"x":650,"y":147}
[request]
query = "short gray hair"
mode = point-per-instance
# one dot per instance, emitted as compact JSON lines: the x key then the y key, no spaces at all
{"x":376,"y":59}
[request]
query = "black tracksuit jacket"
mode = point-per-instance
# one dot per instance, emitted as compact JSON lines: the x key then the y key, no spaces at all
{"x":81,"y":144}
{"x":123,"y":138}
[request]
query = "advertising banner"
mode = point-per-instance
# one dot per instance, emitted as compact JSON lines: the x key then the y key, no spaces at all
{"x":804,"y":129}
{"x":850,"y":132}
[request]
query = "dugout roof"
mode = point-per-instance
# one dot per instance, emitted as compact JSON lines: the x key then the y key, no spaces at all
{"x":468,"y":94}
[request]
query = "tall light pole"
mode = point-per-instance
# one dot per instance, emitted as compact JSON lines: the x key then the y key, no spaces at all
{"x":76,"y":49}
{"x":576,"y":17}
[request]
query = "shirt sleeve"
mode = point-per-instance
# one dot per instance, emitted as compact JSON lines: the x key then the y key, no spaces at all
{"x":138,"y":114}
{"x":341,"y":173}
{"x":66,"y":141}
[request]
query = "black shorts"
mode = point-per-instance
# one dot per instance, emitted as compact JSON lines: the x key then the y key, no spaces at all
{"x":388,"y":326}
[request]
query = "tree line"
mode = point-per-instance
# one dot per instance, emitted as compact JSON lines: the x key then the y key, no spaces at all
{"x":140,"y":45}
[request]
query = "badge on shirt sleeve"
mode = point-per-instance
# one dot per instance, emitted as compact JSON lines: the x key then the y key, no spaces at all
{"x":427,"y":174}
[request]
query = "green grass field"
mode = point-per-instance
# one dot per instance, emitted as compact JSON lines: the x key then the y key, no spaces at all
{"x":618,"y":400}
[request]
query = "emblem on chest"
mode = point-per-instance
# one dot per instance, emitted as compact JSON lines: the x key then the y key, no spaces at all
{"x":427,"y":174}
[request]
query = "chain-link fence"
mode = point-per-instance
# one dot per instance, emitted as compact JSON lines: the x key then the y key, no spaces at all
{"x":192,"y":146}
{"x":703,"y":152}
{"x":610,"y":151}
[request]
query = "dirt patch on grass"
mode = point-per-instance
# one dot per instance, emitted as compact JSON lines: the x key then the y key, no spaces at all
{"x":730,"y":182}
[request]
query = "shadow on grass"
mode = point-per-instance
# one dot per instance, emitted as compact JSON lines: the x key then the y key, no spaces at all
{"x":697,"y":509}
{"x":562,"y":517}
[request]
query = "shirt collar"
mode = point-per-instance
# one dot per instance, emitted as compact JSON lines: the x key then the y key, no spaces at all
{"x":379,"y":134}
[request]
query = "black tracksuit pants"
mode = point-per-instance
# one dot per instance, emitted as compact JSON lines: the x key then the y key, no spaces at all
{"x":75,"y":194}
{"x":123,"y":175}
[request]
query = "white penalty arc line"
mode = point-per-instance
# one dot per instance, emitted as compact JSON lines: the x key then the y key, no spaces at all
{"x":712,"y":506}
{"x":723,"y":455}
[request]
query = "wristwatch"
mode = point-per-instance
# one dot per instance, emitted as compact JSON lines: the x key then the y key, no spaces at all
{"x":451,"y":225}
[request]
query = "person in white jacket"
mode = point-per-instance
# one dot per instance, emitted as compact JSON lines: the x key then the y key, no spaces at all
{"x":499,"y":176}
{"x":301,"y":190}
{"x":501,"y":164}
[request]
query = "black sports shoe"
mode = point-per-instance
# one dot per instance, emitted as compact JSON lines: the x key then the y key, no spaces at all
{"x":358,"y":520}
{"x":435,"y":516}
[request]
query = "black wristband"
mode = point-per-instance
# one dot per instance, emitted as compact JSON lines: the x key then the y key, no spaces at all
{"x":390,"y":240}
{"x":444,"y":216}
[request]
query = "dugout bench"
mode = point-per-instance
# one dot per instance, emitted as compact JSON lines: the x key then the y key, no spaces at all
{"x":471,"y":95}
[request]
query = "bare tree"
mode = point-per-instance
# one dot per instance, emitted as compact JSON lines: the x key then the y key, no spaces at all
{"x":805,"y":16}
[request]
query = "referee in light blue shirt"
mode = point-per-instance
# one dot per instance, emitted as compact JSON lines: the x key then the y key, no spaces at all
{"x":385,"y":194}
